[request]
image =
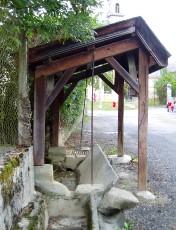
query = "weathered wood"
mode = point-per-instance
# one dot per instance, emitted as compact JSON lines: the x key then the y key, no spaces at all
{"x":56,"y":117}
{"x":132,"y":71}
{"x":39,"y":121}
{"x":151,"y":42}
{"x":49,"y":84}
{"x":120,"y":115}
{"x":69,"y":91}
{"x":108,"y":82}
{"x":86,"y":74}
{"x":86,"y":57}
{"x":142,"y":119}
{"x":59,"y":86}
{"x":123,"y":73}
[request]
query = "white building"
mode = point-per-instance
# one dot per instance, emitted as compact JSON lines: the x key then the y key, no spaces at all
{"x":110,"y":12}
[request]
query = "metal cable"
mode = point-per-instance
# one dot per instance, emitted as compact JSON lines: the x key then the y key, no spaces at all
{"x":93,"y":65}
{"x":82,"y":124}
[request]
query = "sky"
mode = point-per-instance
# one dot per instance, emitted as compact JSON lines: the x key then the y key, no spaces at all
{"x":160,"y":17}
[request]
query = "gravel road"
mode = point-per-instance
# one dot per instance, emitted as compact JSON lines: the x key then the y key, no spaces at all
{"x":160,"y":214}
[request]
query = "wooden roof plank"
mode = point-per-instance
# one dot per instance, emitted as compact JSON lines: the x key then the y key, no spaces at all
{"x":87,"y":56}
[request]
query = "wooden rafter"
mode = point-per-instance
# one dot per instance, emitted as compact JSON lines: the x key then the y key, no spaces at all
{"x":108,"y":83}
{"x":59,"y":86}
{"x":65,"y":96}
{"x":86,"y":74}
{"x":123,"y":73}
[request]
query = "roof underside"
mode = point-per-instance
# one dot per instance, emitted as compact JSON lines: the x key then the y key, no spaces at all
{"x":135,"y":30}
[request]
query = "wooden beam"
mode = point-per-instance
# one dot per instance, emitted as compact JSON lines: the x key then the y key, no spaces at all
{"x":86,"y":74}
{"x":49,"y":84}
{"x":132,"y":71}
{"x":120,"y":115}
{"x":56,"y":117}
{"x":59,"y":86}
{"x":86,"y":57}
{"x":69,"y":91}
{"x":39,"y":121}
{"x":142,"y":119}
{"x":123,"y":73}
{"x":108,"y":82}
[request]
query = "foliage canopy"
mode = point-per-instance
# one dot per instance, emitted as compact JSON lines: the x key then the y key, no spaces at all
{"x":161,"y":85}
{"x":40,"y":21}
{"x":54,"y":19}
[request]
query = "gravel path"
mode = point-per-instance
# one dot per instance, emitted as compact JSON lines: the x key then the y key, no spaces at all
{"x":161,"y":213}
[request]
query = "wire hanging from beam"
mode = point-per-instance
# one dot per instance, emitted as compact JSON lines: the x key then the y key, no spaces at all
{"x":92,"y":107}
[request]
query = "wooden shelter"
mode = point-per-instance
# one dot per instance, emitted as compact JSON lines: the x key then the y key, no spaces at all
{"x":129,"y":47}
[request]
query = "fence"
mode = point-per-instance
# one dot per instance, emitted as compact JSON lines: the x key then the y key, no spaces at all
{"x":8,"y":89}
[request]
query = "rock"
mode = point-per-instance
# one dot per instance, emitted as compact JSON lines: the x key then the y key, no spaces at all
{"x":88,"y":188}
{"x":146,"y":195}
{"x":117,"y":199}
{"x":119,"y":160}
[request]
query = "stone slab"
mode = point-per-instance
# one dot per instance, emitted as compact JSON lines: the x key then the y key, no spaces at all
{"x":103,"y":173}
{"x":88,"y":188}
{"x":45,"y":183}
{"x":66,"y":206}
{"x":57,"y":150}
{"x":44,"y":172}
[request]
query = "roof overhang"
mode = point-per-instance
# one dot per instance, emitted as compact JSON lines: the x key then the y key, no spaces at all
{"x":131,"y":34}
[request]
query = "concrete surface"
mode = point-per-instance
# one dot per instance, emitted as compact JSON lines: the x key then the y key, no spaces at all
{"x":44,"y":182}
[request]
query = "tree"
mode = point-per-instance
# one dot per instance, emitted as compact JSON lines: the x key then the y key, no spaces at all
{"x":161,"y":85}
{"x":48,"y":20}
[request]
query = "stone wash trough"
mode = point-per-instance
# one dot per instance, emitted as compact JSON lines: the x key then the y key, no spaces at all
{"x":42,"y":198}
{"x":72,"y":200}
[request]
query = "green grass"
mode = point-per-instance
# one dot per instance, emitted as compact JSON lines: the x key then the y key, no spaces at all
{"x":107,"y":105}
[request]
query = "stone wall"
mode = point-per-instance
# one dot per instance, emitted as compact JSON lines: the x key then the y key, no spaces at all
{"x":16,"y":186}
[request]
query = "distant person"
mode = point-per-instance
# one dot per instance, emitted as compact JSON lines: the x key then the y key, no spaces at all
{"x":113,"y":104}
{"x":94,"y":97}
{"x":172,"y":108}
{"x":169,"y":103}
{"x":169,"y":106}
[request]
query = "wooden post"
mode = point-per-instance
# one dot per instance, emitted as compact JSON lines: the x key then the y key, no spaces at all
{"x":143,"y":120}
{"x":56,"y":118}
{"x":39,"y":120}
{"x":120,"y":115}
{"x":132,"y":71}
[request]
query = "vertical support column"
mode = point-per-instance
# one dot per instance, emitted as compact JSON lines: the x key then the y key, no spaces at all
{"x":132,"y":72}
{"x":143,"y":120}
{"x":120,"y":115}
{"x":56,"y":118}
{"x":39,"y":120}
